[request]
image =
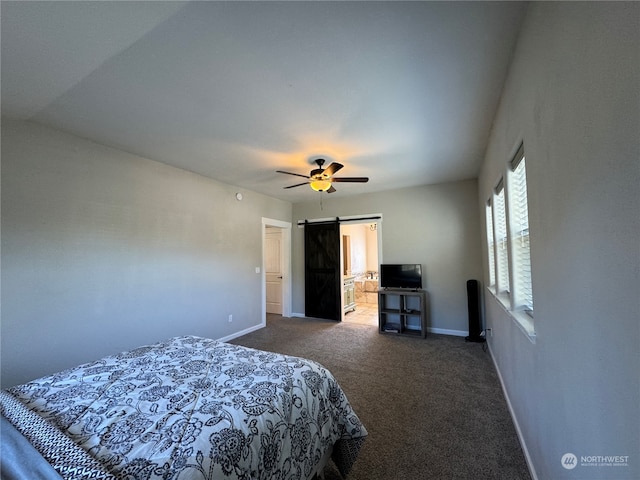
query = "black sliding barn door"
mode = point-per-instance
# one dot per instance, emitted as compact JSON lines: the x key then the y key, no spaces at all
{"x":322,"y":270}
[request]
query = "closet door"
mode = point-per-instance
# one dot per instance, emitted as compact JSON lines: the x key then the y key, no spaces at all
{"x":322,"y":270}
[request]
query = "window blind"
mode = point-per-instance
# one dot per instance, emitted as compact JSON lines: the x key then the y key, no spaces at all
{"x":502,"y":254}
{"x":519,"y":213}
{"x":490,"y":245}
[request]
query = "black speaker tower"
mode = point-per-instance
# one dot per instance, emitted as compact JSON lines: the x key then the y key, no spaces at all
{"x":473,"y":302}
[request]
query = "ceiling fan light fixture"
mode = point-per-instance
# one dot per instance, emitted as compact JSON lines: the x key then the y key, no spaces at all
{"x":320,"y":185}
{"x":321,"y":179}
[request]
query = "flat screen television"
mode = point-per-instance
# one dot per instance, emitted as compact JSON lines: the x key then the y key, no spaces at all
{"x":401,"y":276}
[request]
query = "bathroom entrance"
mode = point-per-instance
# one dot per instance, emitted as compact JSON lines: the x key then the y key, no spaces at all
{"x":360,"y":263}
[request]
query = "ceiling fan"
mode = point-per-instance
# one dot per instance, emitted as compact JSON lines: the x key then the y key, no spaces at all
{"x":321,"y":179}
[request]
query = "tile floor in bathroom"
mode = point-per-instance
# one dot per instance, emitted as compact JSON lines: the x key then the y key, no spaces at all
{"x":365,"y":314}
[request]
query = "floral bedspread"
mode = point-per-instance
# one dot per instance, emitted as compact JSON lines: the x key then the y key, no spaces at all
{"x":195,"y":408}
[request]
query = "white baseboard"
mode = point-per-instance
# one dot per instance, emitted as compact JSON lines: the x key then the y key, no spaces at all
{"x":444,"y":331}
{"x":242,"y":332}
{"x":532,"y":470}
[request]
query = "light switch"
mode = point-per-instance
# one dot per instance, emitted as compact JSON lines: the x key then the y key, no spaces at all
{"x":257,"y":269}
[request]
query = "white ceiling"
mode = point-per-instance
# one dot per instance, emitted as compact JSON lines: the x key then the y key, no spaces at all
{"x":401,"y":92}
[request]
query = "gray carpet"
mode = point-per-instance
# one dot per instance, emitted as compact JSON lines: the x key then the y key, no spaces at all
{"x":433,"y":407}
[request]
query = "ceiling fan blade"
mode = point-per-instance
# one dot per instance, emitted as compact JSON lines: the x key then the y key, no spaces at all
{"x":333,"y":168}
{"x":297,"y":185}
{"x":351,"y":179}
{"x":331,"y":189}
{"x":296,"y":174}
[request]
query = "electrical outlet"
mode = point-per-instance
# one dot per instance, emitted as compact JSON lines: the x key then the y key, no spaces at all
{"x":230,"y":318}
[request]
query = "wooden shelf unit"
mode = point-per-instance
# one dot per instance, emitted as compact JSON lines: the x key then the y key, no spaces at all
{"x":403,"y":312}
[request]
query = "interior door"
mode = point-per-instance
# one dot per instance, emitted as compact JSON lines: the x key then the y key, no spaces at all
{"x":273,"y":270}
{"x":322,"y":270}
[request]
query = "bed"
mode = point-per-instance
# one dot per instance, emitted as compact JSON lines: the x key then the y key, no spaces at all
{"x":186,"y":408}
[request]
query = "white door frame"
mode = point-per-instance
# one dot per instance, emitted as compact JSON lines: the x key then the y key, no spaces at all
{"x":286,"y":266}
{"x":378,"y":223}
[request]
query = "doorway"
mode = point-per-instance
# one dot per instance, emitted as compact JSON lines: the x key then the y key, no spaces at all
{"x":360,"y":264}
{"x":276,"y":268}
{"x":273,"y":269}
{"x":325,"y":259}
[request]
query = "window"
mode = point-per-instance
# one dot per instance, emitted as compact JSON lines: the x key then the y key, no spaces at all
{"x":522,"y":295}
{"x":501,"y":242}
{"x":490,"y":247}
{"x":508,"y":244}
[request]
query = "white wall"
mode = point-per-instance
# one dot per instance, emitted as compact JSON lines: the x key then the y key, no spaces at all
{"x":359,"y":248}
{"x":103,"y":251}
{"x":436,"y":226}
{"x":572,"y":95}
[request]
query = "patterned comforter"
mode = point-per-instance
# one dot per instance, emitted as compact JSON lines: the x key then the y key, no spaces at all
{"x":194,"y":408}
